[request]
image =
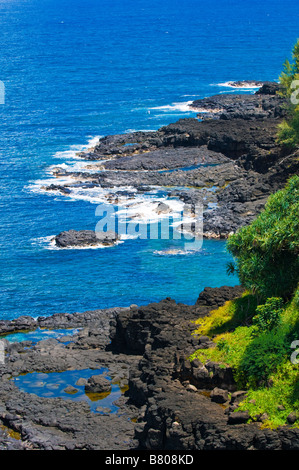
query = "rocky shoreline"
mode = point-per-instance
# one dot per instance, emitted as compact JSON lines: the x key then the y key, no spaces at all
{"x":231,"y":149}
{"x":163,"y":401}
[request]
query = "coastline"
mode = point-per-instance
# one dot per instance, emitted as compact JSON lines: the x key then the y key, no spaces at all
{"x":226,"y":159}
{"x":165,"y":403}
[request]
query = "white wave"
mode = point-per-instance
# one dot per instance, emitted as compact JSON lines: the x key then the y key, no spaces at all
{"x":87,"y":247}
{"x":186,"y":96}
{"x":39,"y":186}
{"x":128,"y":236}
{"x":131,"y":131}
{"x":230,"y":84}
{"x":47,"y":243}
{"x":174,"y":252}
{"x":144,"y":209}
{"x":183,"y":107}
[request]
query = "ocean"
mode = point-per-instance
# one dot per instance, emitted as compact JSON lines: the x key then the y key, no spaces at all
{"x":74,"y":71}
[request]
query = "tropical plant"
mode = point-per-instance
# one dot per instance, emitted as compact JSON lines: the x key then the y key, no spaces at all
{"x":288,"y":133}
{"x":267,"y":249}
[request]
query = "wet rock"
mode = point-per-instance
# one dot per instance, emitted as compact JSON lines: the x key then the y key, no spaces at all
{"x":245,"y":83}
{"x":81,"y":382}
{"x":268,"y":88}
{"x":264,"y":104}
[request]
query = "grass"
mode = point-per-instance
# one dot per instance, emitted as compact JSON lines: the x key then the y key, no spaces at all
{"x":261,"y":360}
{"x":226,"y":318}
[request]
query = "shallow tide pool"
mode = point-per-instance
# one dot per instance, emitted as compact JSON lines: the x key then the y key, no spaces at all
{"x":53,"y":385}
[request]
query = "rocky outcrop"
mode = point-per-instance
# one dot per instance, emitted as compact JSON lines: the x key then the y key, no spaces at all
{"x":264,"y":104}
{"x":98,"y":384}
{"x":85,"y":238}
{"x":230,"y":161}
{"x":29,"y":421}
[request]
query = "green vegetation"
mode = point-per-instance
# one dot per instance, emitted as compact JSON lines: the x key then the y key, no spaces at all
{"x":268,"y":316}
{"x":254,"y":333}
{"x":267,"y":250}
{"x":260,"y":359}
{"x":289,"y":129}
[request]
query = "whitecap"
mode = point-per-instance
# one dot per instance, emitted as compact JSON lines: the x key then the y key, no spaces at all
{"x":132,"y":131}
{"x":229,"y":84}
{"x":174,"y":252}
{"x":183,"y":107}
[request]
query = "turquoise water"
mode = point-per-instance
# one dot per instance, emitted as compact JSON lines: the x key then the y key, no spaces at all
{"x":76,"y":70}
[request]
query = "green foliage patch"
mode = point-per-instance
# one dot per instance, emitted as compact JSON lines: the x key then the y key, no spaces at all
{"x":288,"y":133}
{"x":267,"y":250}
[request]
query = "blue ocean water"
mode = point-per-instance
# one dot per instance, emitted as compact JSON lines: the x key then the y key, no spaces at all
{"x":76,"y":70}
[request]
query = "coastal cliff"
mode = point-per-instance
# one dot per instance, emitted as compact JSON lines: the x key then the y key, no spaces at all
{"x":166,"y":399}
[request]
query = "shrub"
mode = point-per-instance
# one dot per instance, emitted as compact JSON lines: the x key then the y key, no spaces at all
{"x":267,"y":250}
{"x":268,"y":316}
{"x":288,"y":133}
{"x":262,"y":357}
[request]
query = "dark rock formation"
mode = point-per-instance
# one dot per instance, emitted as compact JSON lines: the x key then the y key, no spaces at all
{"x":246,"y":84}
{"x":264,"y":104}
{"x":33,"y":422}
{"x":85,"y":238}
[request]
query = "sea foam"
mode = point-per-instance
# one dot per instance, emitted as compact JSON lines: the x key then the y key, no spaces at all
{"x":72,"y":152}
